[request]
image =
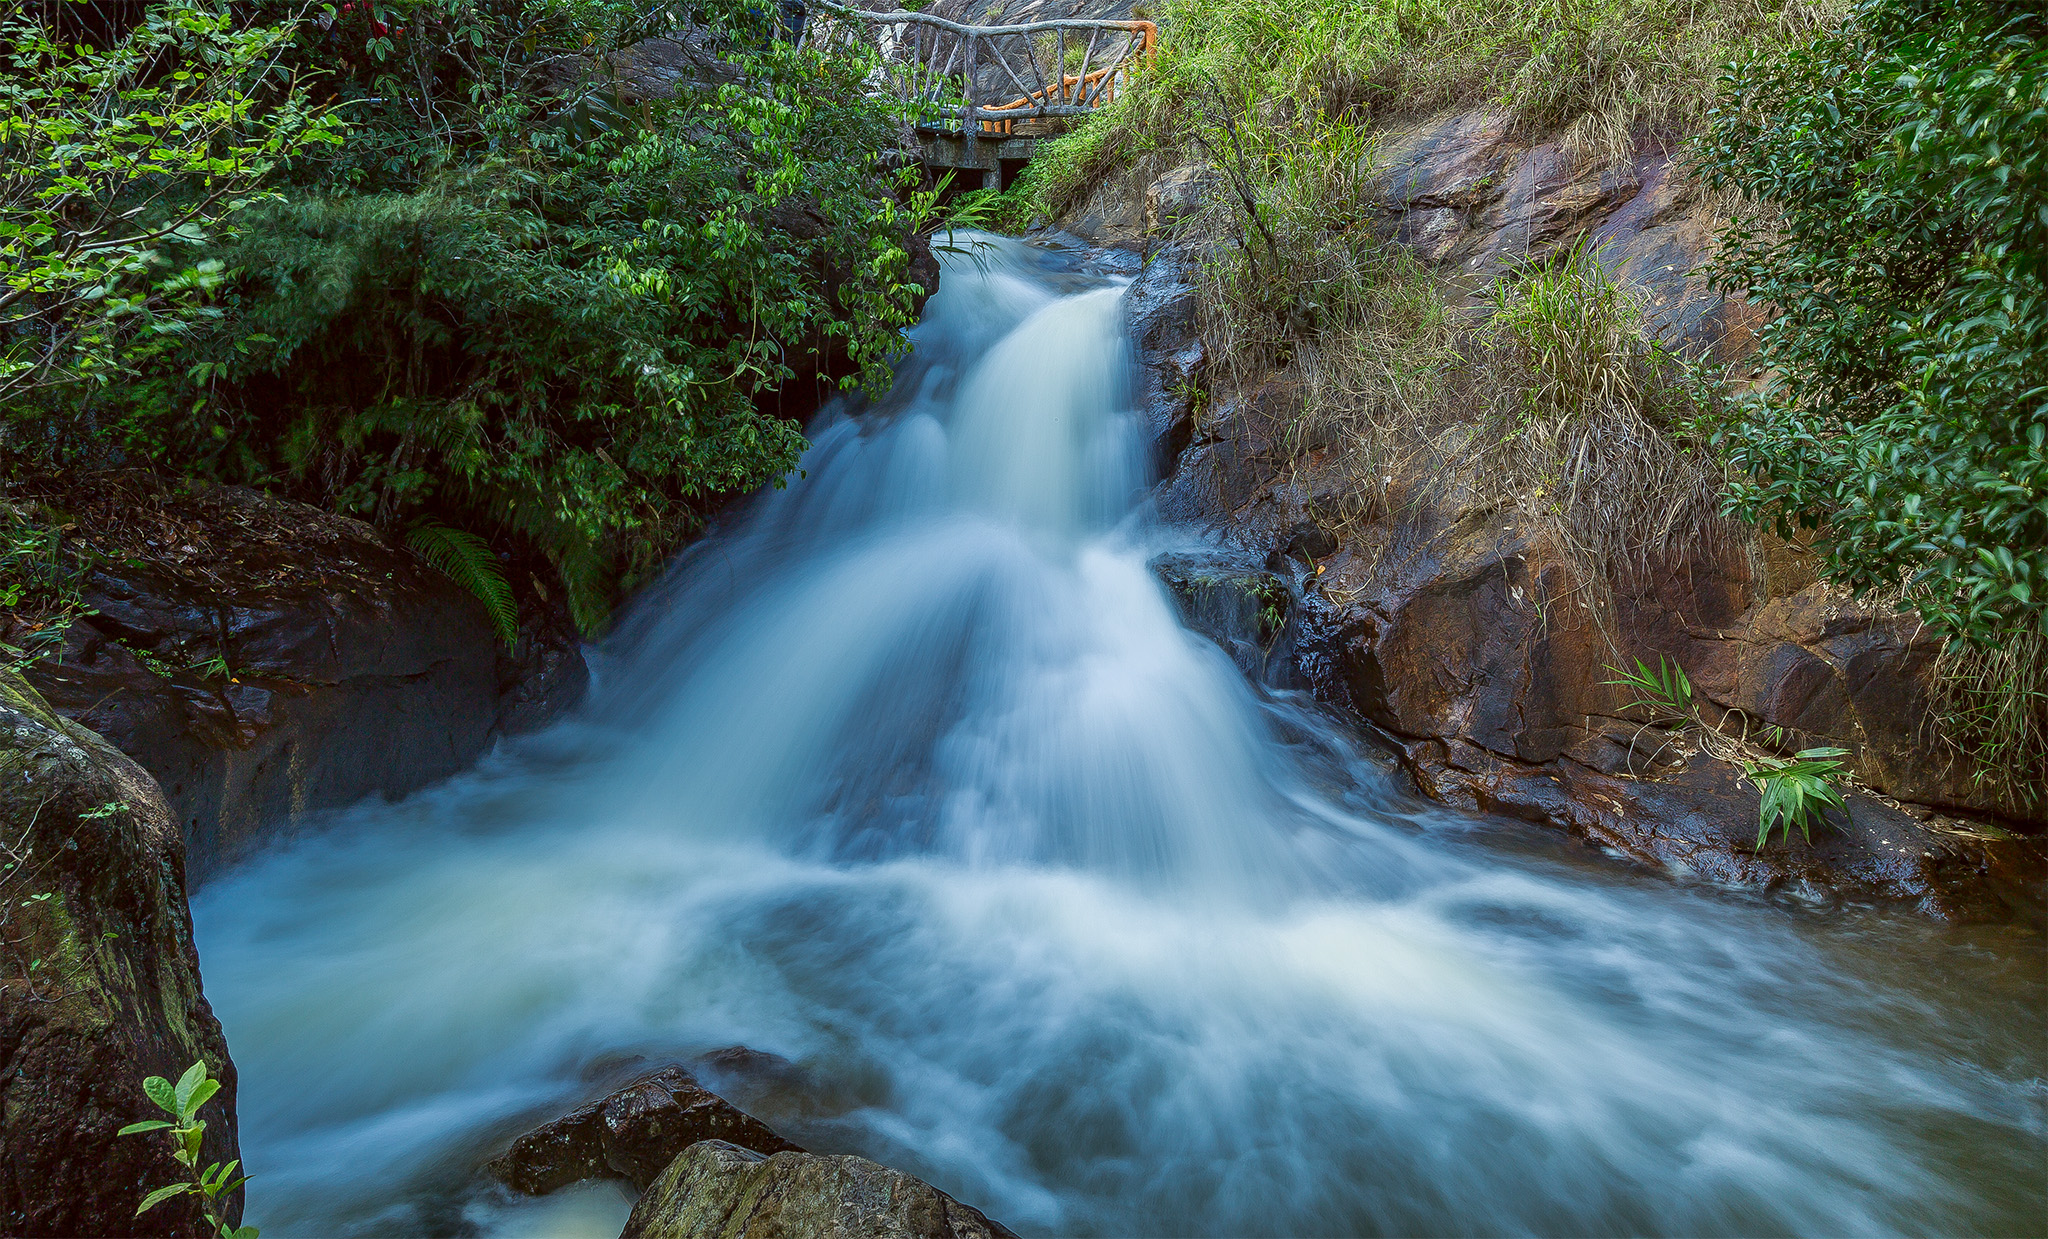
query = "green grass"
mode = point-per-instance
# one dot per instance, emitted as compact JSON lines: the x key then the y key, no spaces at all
{"x":1601,"y":74}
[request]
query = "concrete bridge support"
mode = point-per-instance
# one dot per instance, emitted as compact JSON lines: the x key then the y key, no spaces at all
{"x":984,"y":155}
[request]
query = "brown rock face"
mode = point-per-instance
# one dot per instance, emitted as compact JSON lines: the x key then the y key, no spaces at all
{"x":317,"y":665}
{"x":717,"y":1191}
{"x":632,"y":1134}
{"x":1462,"y":636}
{"x":1467,"y":644}
{"x":99,"y":984}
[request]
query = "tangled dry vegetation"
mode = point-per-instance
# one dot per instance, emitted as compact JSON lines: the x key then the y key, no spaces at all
{"x":1548,"y":397}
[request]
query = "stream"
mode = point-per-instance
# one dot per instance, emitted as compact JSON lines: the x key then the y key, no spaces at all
{"x":911,"y":775}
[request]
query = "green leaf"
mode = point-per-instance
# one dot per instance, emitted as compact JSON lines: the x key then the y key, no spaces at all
{"x":162,"y":1194}
{"x":159,"y":1090}
{"x":188,"y":1084}
{"x":145,"y":1125}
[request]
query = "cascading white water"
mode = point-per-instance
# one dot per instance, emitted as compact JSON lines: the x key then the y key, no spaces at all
{"x":913,"y":777}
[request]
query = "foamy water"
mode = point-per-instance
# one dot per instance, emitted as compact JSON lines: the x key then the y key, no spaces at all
{"x":913,"y":777}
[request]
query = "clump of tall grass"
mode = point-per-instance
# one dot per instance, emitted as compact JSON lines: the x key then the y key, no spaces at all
{"x":1300,"y":282}
{"x":1557,"y":402}
{"x":1588,"y":421}
{"x":1991,"y":706}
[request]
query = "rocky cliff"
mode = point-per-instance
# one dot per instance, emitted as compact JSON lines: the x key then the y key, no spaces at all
{"x":1463,"y":633}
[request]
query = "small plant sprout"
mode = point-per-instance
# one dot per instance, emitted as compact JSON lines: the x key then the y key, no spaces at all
{"x":182,"y":1101}
{"x":1798,"y":791}
{"x":1665,"y":692}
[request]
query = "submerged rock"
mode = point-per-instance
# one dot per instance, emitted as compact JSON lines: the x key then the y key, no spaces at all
{"x":631,"y":1134}
{"x":99,"y":984}
{"x":1230,"y":599}
{"x":718,"y":1190}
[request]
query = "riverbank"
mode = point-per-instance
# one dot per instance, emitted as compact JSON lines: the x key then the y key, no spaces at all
{"x":1458,"y":625}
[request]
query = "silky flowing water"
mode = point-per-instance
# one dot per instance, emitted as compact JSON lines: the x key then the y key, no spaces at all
{"x":912,"y":777}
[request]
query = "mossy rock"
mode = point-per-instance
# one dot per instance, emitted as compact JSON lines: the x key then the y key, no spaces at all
{"x":99,"y":982}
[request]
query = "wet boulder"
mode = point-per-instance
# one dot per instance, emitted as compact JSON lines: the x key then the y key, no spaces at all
{"x":99,"y":984}
{"x":631,"y":1134}
{"x":1159,"y":314}
{"x":718,"y":1189}
{"x":264,"y":660}
{"x":1229,"y":597}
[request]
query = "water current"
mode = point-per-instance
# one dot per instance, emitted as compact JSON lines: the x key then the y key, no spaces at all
{"x":912,"y":776}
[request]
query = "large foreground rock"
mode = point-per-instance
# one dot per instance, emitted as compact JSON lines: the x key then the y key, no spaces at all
{"x":631,"y":1134}
{"x":99,"y":983}
{"x":717,"y":1190}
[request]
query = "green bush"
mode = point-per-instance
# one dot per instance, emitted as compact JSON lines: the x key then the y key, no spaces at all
{"x":1899,"y":182}
{"x":558,"y":322}
{"x":111,"y":160}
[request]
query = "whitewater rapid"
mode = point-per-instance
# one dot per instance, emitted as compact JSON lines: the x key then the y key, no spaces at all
{"x":912,"y":776}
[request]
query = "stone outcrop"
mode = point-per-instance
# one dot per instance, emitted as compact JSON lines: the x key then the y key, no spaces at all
{"x":631,"y":1134}
{"x":290,"y":661}
{"x":650,"y":69}
{"x":1459,"y":636}
{"x":99,"y":984}
{"x":717,"y":1190}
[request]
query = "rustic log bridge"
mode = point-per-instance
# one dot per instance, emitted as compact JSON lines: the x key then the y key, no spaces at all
{"x":980,"y":95}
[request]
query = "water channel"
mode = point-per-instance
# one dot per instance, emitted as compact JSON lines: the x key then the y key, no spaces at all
{"x":912,"y":776}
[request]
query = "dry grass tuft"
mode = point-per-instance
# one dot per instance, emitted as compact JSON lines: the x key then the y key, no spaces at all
{"x":1587,"y":425}
{"x":1992,"y":706}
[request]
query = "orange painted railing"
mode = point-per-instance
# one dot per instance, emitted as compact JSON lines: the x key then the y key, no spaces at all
{"x":1094,"y":90}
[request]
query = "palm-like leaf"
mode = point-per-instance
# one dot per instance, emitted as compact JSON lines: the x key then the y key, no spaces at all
{"x":1797,"y":791}
{"x":1666,"y":692}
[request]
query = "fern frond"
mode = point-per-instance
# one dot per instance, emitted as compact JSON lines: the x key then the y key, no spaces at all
{"x":466,"y":559}
{"x":586,"y":576}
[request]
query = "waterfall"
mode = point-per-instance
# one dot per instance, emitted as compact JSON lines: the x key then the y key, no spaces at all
{"x":912,"y":776}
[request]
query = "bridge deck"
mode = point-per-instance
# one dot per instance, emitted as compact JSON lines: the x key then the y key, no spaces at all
{"x":978,"y":93}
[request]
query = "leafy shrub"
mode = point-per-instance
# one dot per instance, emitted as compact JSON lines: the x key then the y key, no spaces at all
{"x":1899,"y":230}
{"x":110,"y":158}
{"x":569,"y":339}
{"x":1899,"y":226}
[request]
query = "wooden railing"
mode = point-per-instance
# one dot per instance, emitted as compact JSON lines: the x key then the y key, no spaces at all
{"x":986,"y":80}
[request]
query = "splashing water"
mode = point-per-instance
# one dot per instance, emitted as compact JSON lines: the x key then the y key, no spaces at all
{"x":914,"y":778}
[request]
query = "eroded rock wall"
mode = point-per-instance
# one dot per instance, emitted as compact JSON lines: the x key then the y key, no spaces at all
{"x":296,"y":661}
{"x":1464,"y":636}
